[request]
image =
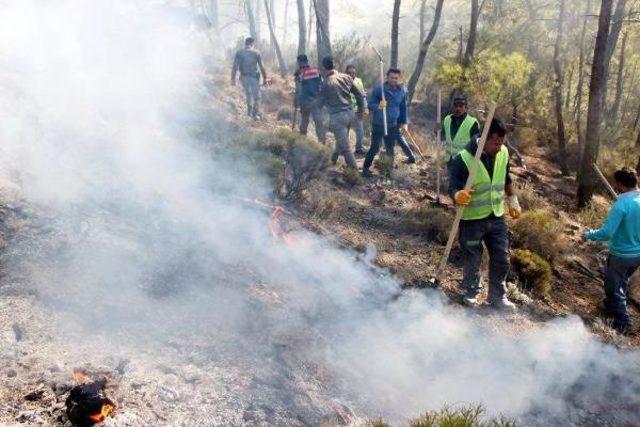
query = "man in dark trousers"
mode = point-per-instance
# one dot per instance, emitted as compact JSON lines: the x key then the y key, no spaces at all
{"x":459,"y":128}
{"x":247,"y":61}
{"x":335,"y":94}
{"x":308,"y":82}
{"x":622,"y":230}
{"x":483,"y":217}
{"x":396,"y":104}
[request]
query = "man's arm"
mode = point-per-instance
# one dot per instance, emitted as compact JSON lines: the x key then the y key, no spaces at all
{"x":374,"y":99}
{"x":458,"y":175}
{"x":262,"y":70}
{"x":610,"y":225}
{"x":475,"y":130}
{"x":234,"y":69}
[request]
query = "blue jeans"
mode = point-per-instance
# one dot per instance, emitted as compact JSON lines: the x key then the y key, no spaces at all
{"x":616,"y":285}
{"x":393,"y":136}
{"x":491,"y":231}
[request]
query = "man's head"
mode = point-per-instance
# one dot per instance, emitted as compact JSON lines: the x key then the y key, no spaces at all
{"x":303,"y":60}
{"x":328,"y":64}
{"x":351,"y":70}
{"x":393,"y":77}
{"x":626,"y":179}
{"x":495,"y":138}
{"x":249,"y":42}
{"x":460,"y":106}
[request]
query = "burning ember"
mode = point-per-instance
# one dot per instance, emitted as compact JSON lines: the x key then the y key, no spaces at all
{"x":87,"y":404}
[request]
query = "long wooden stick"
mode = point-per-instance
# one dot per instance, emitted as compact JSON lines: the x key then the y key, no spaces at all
{"x":412,"y":142}
{"x":439,"y":123}
{"x":605,"y":181}
{"x":467,"y":187}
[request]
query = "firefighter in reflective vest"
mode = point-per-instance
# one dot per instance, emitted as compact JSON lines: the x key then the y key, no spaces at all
{"x":459,"y":128}
{"x":483,"y":217}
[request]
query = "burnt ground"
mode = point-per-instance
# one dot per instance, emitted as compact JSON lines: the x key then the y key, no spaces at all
{"x":184,"y":379}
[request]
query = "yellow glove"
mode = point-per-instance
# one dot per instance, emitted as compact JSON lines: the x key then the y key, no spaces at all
{"x":463,"y":197}
{"x":382,"y":104}
{"x":514,"y":207}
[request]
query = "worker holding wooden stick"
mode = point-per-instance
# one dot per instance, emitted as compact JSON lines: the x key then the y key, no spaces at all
{"x":483,"y":216}
{"x":622,"y":230}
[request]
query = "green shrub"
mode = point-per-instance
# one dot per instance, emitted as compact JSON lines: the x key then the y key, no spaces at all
{"x":471,"y":416}
{"x":305,"y":161}
{"x":384,"y":164}
{"x":351,"y":177}
{"x":434,"y":223}
{"x":533,"y":271}
{"x":539,"y":232}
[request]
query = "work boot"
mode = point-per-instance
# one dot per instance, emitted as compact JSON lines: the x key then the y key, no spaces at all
{"x":503,"y":304}
{"x":334,"y":158}
{"x":366,"y":173}
{"x":409,"y":160}
{"x":360,"y":152}
{"x":471,"y":302}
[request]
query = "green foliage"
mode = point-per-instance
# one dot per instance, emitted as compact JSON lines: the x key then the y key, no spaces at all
{"x":351,"y":177}
{"x":533,"y":271}
{"x":353,"y":49}
{"x":384,"y":164}
{"x":434,"y":223}
{"x":305,"y":160}
{"x":539,"y":232}
{"x":471,"y":416}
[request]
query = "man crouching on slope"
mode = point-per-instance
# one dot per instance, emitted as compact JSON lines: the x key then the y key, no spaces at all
{"x":622,"y":230}
{"x":483,"y":216}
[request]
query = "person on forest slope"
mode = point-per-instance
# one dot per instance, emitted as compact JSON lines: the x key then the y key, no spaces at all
{"x":395,"y":102}
{"x":308,"y":82}
{"x":621,"y":229}
{"x":247,"y":61}
{"x":458,"y":128}
{"x":335,"y":94}
{"x":483,"y":216}
{"x":359,"y":124}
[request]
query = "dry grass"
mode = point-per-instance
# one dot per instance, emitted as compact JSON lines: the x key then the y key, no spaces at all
{"x":351,"y":177}
{"x":533,"y":271}
{"x":539,"y":232}
{"x":469,"y":416}
{"x":432,"y":222}
{"x":384,"y":164}
{"x":530,"y":200}
{"x":594,"y":214}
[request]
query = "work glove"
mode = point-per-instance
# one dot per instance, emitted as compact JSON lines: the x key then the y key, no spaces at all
{"x":463,"y":197}
{"x":404,"y":127}
{"x":382,"y":104}
{"x":514,"y":207}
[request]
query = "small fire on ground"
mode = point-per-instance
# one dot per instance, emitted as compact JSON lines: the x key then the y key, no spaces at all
{"x":87,"y":403}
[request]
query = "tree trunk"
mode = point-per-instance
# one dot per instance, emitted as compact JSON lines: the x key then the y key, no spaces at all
{"x":311,"y":21}
{"x":612,"y":117}
{"x":271,"y":22}
{"x":214,"y":15}
{"x":285,"y":22}
{"x":557,"y":91}
{"x":461,"y":46}
{"x":251,"y":18}
{"x":473,"y":33}
{"x":302,"y":28}
{"x":612,"y":41}
{"x":323,"y":36}
{"x":580,"y":89}
{"x":423,"y":16}
{"x":274,"y":40}
{"x":569,"y":80}
{"x":395,"y":22}
{"x":258,"y":13}
{"x":417,"y":72}
{"x":586,"y":181}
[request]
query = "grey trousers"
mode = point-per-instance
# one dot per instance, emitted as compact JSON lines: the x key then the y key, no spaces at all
{"x":491,"y":231}
{"x":616,"y":286}
{"x":359,"y":130}
{"x":251,"y":87}
{"x":339,"y":123}
{"x":312,"y":111}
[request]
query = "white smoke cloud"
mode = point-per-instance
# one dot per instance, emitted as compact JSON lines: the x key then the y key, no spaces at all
{"x":98,"y":103}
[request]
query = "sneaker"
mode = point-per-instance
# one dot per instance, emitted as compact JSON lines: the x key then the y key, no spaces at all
{"x":471,"y":302}
{"x":359,"y":152}
{"x":503,"y":304}
{"x":366,"y":173}
{"x":624,"y":329}
{"x":409,"y":160}
{"x":334,"y":158}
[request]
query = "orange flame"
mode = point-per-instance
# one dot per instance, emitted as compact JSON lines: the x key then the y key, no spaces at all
{"x":104,"y":413}
{"x":80,"y":375}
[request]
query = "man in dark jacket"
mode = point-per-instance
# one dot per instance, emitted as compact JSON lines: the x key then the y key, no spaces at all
{"x":396,"y":104}
{"x":483,"y":216}
{"x":335,"y":94}
{"x":308,"y":82}
{"x":247,"y":61}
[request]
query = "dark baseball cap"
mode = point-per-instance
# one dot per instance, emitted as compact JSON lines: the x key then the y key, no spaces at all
{"x":302,"y":58}
{"x":460,"y":100}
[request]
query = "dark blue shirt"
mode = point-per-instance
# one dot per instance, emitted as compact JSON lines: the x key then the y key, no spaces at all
{"x":396,"y":106}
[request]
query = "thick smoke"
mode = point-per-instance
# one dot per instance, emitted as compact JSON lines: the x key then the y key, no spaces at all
{"x":103,"y":109}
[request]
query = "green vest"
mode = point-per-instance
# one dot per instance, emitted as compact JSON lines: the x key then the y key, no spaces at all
{"x":488,"y":195}
{"x":462,"y":138}
{"x":357,"y":82}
